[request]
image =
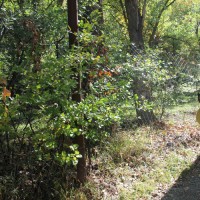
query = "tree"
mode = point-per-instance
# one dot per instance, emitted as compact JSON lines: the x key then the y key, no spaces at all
{"x":76,"y":95}
{"x":136,"y":15}
{"x":179,"y":33}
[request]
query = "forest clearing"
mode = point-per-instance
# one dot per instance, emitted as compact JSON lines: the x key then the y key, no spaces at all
{"x":100,"y":100}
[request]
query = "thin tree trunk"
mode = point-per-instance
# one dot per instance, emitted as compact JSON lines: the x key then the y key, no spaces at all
{"x":124,"y":11}
{"x":197,"y":31}
{"x":72,"y":22}
{"x":155,"y":27}
{"x":76,"y":96}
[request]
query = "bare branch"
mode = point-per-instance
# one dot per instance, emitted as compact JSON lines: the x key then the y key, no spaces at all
{"x":170,"y":3}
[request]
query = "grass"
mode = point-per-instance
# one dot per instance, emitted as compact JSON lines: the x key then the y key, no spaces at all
{"x":83,"y":193}
{"x":126,"y":146}
{"x":185,"y":107}
{"x":163,"y":170}
{"x":138,"y":163}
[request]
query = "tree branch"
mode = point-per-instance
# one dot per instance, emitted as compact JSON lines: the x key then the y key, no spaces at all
{"x":124,"y":12}
{"x":144,"y":11}
{"x":170,"y":3}
{"x":166,"y":5}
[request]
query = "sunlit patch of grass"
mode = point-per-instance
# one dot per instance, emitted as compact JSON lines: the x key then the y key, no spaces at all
{"x":143,"y":189}
{"x":86,"y":192}
{"x":170,"y":167}
{"x":164,"y":170}
{"x":125,"y":147}
{"x":124,"y":195}
{"x":182,"y":113}
{"x":192,"y":106}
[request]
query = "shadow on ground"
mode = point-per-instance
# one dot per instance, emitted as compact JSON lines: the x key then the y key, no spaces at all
{"x":187,"y":187}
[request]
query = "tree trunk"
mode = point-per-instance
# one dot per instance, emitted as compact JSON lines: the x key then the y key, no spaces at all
{"x":76,"y":95}
{"x":96,"y":31}
{"x":144,"y":116}
{"x":197,"y":31}
{"x":135,"y":28}
{"x":135,"y":23}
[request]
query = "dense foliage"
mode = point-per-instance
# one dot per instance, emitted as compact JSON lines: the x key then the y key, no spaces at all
{"x":39,"y":121}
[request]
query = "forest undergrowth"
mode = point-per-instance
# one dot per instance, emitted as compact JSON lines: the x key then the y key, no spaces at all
{"x":78,"y":81}
{"x":144,"y":163}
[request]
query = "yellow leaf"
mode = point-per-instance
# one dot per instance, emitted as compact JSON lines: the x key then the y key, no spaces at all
{"x":198,"y":116}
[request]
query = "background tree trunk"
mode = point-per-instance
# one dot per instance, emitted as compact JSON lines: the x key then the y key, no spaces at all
{"x":76,"y":95}
{"x":135,"y":23}
{"x":144,"y":116}
{"x":135,"y":17}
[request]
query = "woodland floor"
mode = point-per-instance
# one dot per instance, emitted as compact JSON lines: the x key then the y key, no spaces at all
{"x":159,"y":164}
{"x":187,"y":187}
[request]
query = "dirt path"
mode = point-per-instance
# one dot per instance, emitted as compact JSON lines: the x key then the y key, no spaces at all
{"x":187,"y":187}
